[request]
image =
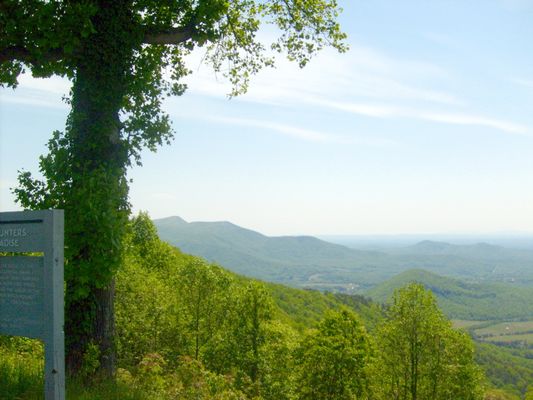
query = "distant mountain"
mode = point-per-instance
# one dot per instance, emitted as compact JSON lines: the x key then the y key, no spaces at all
{"x":297,"y":260}
{"x":461,"y":300}
{"x":305,"y":261}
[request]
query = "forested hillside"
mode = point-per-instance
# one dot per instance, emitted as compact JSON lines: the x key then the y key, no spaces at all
{"x":498,"y":316}
{"x":188,"y":329}
{"x":305,"y":261}
{"x":462,"y":300}
{"x":294,"y":260}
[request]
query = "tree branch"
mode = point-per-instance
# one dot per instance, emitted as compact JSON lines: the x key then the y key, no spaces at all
{"x":13,"y":53}
{"x":171,"y":36}
{"x":19,"y":53}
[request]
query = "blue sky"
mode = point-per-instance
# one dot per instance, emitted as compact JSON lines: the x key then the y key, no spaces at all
{"x":424,"y":126}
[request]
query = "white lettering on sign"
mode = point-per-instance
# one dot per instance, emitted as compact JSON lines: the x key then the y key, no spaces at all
{"x":12,"y":232}
{"x":19,"y":286}
{"x":9,"y":236}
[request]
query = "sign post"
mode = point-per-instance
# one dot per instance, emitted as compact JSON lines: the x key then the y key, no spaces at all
{"x":31,"y":287}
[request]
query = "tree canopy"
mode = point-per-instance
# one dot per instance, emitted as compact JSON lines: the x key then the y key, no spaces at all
{"x":420,"y":355}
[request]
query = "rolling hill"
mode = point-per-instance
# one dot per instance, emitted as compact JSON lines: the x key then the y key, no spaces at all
{"x":305,"y":261}
{"x":295,"y":260}
{"x":461,"y":300}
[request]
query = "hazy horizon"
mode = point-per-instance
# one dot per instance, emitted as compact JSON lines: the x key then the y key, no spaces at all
{"x":362,"y":240}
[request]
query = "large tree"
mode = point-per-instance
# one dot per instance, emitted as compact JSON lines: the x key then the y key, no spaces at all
{"x":420,"y":355}
{"x":123,"y":57}
{"x":333,"y":360}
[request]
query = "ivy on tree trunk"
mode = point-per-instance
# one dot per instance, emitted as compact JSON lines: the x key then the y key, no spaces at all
{"x":97,"y":210}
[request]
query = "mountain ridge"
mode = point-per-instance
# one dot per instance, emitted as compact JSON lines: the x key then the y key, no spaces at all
{"x":310,"y":262}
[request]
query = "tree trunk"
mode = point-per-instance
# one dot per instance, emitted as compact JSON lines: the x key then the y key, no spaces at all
{"x":91,"y":323}
{"x":105,"y":327}
{"x":97,"y":209}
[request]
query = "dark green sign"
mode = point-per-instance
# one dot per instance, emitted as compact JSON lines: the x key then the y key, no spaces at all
{"x":31,"y":287}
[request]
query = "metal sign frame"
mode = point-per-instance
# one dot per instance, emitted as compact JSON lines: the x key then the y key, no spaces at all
{"x":42,"y":232}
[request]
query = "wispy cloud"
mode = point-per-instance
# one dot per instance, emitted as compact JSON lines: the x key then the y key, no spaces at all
{"x":363,"y":73}
{"x":465,"y":119}
{"x":288,"y":130}
{"x":523,"y":82}
{"x":296,"y":132}
{"x":453,"y":118}
{"x":38,"y":92}
{"x":366,"y":82}
{"x":33,"y":98}
{"x":53,"y":84}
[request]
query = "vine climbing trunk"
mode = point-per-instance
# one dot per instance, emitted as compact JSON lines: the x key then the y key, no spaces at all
{"x":98,"y":209}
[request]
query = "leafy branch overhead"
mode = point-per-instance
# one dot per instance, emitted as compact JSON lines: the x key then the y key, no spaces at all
{"x":48,"y":36}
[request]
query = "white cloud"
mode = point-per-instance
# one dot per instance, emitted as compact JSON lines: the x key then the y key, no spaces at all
{"x":464,"y":119}
{"x":288,"y":130}
{"x":365,"y":82}
{"x":53,"y":84}
{"x":377,"y":110}
{"x":34,"y":98}
{"x":302,"y":133}
{"x":363,"y":72}
{"x":523,"y":82}
{"x":40,"y":92}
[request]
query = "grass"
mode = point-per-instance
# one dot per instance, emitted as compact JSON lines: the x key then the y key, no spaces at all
{"x":506,"y":328}
{"x":466,"y":324}
{"x":497,"y":332}
{"x":526,"y":338}
{"x":24,"y":382}
{"x":21,"y":376}
{"x":105,"y":390}
{"x":21,"y":368}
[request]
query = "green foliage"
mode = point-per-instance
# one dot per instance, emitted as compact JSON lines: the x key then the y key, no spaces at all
{"x":250,"y":334}
{"x":497,"y":394}
{"x":147,"y":315}
{"x":205,"y":293}
{"x":461,"y":300}
{"x":277,"y":362}
{"x":304,"y":308}
{"x":21,"y":365}
{"x":420,"y":356}
{"x":333,"y":359}
{"x":510,"y":369}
